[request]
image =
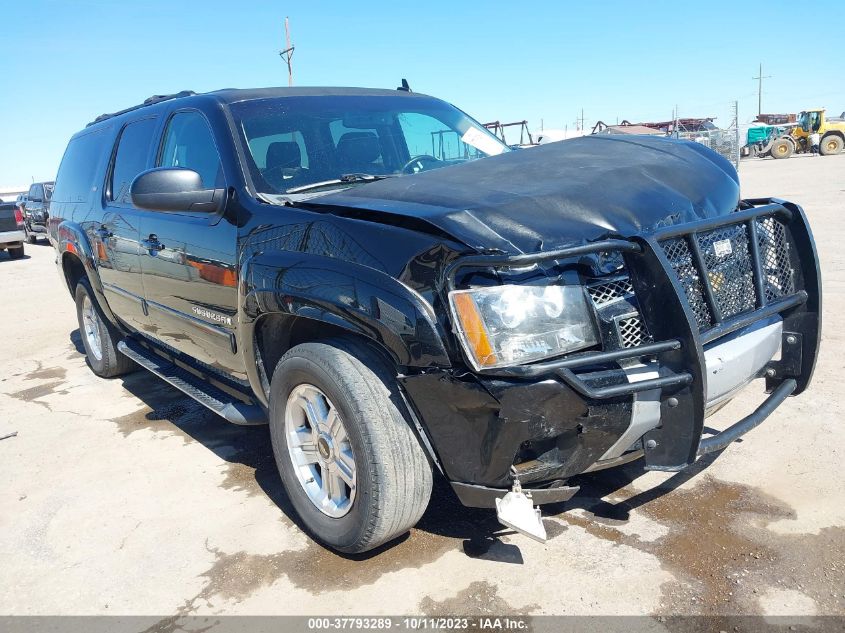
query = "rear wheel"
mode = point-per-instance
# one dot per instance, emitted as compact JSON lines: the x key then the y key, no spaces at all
{"x":16,"y":252}
{"x":99,"y":337}
{"x":782,"y":148}
{"x":831,"y":145}
{"x":353,"y":468}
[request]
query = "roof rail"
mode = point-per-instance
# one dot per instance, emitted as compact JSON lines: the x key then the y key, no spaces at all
{"x":150,"y":101}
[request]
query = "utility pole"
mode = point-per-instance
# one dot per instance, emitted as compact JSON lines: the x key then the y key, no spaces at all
{"x":760,"y":79}
{"x":675,"y":131}
{"x":579,"y":121}
{"x":287,"y":53}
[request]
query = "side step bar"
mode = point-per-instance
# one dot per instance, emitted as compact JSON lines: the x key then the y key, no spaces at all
{"x":205,"y":393}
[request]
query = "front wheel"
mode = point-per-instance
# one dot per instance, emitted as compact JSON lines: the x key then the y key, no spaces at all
{"x":352,"y":466}
{"x":782,"y":148}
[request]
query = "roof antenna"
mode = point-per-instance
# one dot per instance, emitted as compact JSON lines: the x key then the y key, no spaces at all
{"x":405,"y":87}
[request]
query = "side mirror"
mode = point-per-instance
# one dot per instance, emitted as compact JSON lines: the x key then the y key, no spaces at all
{"x":174,"y":189}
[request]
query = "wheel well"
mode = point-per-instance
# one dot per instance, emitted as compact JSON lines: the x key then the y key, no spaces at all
{"x":838,"y":133}
{"x":73,"y":269}
{"x":275,"y":334}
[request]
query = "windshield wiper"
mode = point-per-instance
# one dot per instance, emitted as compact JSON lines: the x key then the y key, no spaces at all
{"x":343,"y":180}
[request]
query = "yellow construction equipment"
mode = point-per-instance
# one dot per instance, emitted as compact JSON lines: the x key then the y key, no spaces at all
{"x":797,"y":140}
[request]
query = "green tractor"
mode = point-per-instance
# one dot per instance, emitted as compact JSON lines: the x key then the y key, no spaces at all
{"x":760,"y":140}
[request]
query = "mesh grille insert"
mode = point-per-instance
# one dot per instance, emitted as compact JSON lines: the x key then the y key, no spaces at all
{"x":729,"y":268}
{"x":611,"y":290}
{"x":726,"y":255}
{"x":632,"y":331}
{"x":778,"y":277}
{"x":679,"y":256}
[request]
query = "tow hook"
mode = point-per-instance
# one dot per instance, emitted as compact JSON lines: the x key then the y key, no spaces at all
{"x":516,"y":511}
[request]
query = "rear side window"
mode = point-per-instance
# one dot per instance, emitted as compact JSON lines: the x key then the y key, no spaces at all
{"x":133,"y":150}
{"x":188,"y":143}
{"x":75,"y":179}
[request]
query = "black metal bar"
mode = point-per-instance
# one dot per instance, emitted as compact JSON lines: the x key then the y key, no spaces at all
{"x":754,"y":249}
{"x":738,"y":322}
{"x":709,"y":224}
{"x":626,"y":389}
{"x":582,"y":360}
{"x":622,"y":246}
{"x":735,"y":431}
{"x":695,"y":249}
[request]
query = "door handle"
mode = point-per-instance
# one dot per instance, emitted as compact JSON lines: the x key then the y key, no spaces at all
{"x":152,"y":243}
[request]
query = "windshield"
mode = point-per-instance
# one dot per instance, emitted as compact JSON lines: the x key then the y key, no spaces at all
{"x":294,"y":142}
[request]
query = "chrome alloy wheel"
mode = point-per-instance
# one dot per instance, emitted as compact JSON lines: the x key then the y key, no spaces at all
{"x":319,"y":450}
{"x":91,"y":323}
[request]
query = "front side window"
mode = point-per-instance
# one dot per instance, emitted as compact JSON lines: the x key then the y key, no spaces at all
{"x":188,"y":143}
{"x":295,"y":142}
{"x":133,"y":150}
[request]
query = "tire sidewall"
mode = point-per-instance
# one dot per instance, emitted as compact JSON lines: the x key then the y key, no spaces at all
{"x":340,"y":533}
{"x":837,"y":140}
{"x":100,"y":366}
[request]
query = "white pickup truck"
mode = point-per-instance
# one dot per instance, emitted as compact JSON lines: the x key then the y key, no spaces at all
{"x":12,"y":233}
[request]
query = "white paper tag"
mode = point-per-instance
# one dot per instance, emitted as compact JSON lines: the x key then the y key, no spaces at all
{"x":481,"y":141}
{"x":722,"y":248}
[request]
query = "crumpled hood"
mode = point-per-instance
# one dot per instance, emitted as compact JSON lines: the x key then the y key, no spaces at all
{"x":560,"y":194}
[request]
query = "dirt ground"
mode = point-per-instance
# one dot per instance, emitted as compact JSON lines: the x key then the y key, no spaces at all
{"x":125,"y":497}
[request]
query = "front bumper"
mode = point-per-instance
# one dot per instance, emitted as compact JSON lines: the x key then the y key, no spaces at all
{"x":556,"y":419}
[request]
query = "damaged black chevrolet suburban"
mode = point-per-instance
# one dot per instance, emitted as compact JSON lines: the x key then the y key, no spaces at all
{"x":397,"y":293}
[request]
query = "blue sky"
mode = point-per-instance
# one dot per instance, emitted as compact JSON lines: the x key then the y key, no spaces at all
{"x":63,"y":63}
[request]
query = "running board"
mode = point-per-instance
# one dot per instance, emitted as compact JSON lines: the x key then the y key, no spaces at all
{"x":223,"y":404}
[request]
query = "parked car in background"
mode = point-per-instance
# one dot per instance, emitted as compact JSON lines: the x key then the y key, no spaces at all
{"x":12,"y":234}
{"x":37,"y":210}
{"x":399,"y":294}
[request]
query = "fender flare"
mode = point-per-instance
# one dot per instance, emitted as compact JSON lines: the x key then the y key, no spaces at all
{"x":72,"y":241}
{"x":359,"y":299}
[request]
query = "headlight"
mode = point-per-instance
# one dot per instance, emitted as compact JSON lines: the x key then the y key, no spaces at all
{"x":511,"y":325}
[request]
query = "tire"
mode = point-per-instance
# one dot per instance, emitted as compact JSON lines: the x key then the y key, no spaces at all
{"x":392,"y":474}
{"x":99,"y":337}
{"x":16,"y":252}
{"x":831,"y":145}
{"x":782,"y":148}
{"x":30,"y":237}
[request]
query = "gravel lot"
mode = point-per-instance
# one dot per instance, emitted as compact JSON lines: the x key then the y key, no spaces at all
{"x":124,"y":497}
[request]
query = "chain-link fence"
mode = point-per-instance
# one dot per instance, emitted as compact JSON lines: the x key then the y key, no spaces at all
{"x":726,"y":141}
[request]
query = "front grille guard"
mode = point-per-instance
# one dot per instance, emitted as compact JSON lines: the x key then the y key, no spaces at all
{"x":678,"y":340}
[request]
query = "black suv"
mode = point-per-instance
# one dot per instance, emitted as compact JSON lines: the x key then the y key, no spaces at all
{"x":398,"y":293}
{"x":36,"y":208}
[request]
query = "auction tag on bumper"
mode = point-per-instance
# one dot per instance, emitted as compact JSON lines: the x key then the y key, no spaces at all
{"x":723,"y":248}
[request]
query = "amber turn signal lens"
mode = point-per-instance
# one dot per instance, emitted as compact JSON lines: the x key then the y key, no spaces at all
{"x":473,"y":327}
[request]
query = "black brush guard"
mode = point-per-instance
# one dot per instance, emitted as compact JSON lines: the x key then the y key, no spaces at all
{"x":678,"y":342}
